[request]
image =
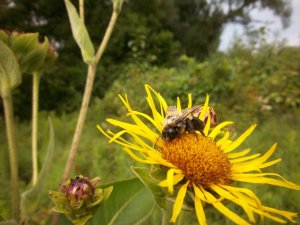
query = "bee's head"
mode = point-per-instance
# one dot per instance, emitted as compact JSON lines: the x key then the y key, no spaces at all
{"x":170,"y":133}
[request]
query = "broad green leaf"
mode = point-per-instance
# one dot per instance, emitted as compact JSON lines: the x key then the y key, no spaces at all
{"x":23,"y":43}
{"x":10,"y":75}
{"x":129,"y":203}
{"x":80,"y":34}
{"x":151,"y":183}
{"x":34,"y":60}
{"x":30,"y":198}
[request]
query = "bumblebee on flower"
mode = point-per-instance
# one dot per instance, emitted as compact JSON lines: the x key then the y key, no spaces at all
{"x":199,"y":158}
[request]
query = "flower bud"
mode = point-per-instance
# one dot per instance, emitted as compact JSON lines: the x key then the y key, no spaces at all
{"x":78,"y":191}
{"x":79,"y":198}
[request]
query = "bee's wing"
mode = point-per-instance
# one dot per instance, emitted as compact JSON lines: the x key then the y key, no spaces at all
{"x":194,"y":111}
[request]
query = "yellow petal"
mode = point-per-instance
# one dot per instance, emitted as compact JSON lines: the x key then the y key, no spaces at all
{"x":246,"y":191}
{"x":223,"y":139}
{"x":243,"y":159}
{"x":176,"y":179}
{"x":200,"y":194}
{"x":267,"y":180}
{"x":190,"y":100}
{"x":163,"y":106}
{"x":229,"y":196}
{"x":170,"y":176}
{"x":288,"y":215}
{"x":157,"y":124}
{"x":199,"y":211}
{"x":268,"y":164}
{"x":142,"y":126}
{"x":204,"y":108}
{"x":136,"y":158}
{"x":224,"y":210}
{"x":239,"y":154}
{"x":156,"y":115}
{"x":267,"y":215}
{"x":218,"y":129}
{"x":240,"y":139}
{"x":179,"y":202}
{"x":207,"y":126}
{"x":178,"y":104}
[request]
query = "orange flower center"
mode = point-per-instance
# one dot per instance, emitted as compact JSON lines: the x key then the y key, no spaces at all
{"x":200,"y":159}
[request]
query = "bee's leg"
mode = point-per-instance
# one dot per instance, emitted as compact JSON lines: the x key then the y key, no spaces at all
{"x":198,"y":125}
{"x":191,"y":128}
{"x":154,"y":146}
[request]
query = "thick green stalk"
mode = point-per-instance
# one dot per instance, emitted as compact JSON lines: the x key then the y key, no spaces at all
{"x":87,"y":94}
{"x":35,"y":108}
{"x":9,"y":120}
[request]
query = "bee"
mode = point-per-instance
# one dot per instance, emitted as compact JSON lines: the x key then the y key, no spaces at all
{"x":177,"y":123}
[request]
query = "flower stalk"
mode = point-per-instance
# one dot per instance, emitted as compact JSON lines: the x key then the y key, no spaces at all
{"x":81,"y":9}
{"x":9,"y":120}
{"x":35,"y":107}
{"x":87,"y":93}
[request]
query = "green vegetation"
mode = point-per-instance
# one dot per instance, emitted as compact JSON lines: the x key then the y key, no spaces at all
{"x":242,"y":85}
{"x":252,"y":83}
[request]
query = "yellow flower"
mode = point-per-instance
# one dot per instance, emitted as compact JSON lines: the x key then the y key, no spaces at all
{"x":205,"y":165}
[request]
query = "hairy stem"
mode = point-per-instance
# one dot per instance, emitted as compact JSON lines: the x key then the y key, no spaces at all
{"x":81,"y":9}
{"x":9,"y":120}
{"x":87,"y":95}
{"x":35,"y":107}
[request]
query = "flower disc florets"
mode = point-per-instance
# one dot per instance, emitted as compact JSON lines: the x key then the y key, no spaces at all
{"x":200,"y":159}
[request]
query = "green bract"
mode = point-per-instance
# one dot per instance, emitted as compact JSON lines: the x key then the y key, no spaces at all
{"x":10,"y":75}
{"x":79,"y":198}
{"x":31,"y":54}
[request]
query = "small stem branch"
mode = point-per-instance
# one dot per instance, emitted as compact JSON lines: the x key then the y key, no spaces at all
{"x":35,"y":107}
{"x":107,"y":35}
{"x":81,"y":9}
{"x":87,"y":95}
{"x":9,"y":120}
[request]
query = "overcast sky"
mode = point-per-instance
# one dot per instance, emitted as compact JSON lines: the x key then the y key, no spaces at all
{"x":291,"y":34}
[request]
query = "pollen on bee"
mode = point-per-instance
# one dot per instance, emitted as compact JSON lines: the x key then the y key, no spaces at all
{"x":200,"y":159}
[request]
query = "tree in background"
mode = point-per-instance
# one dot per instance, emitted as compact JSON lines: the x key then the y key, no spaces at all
{"x":152,"y":31}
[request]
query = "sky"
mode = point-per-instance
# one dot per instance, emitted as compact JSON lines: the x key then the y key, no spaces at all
{"x":276,"y":31}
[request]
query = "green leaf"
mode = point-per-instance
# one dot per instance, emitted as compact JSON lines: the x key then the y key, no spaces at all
{"x":4,"y":37}
{"x":23,"y":43}
{"x":30,"y":198}
{"x":129,"y":203}
{"x":80,"y":34}
{"x":34,"y":60}
{"x":151,"y":183}
{"x":10,"y":75}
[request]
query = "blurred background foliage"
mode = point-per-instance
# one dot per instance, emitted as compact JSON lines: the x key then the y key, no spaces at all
{"x":171,"y":45}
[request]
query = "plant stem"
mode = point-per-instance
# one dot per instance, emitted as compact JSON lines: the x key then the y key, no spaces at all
{"x":35,"y":107}
{"x":9,"y":120}
{"x":165,"y":217}
{"x":81,"y":9}
{"x":87,"y":94}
